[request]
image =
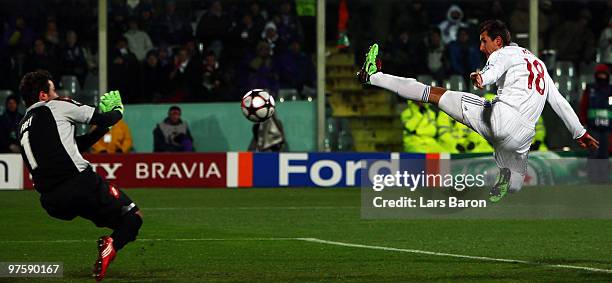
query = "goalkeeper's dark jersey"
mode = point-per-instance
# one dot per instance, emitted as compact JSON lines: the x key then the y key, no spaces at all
{"x":47,"y":141}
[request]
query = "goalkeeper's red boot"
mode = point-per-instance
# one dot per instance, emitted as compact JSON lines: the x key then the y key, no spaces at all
{"x":106,"y":254}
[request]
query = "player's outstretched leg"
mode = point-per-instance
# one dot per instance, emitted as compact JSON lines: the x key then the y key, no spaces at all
{"x":409,"y":88}
{"x":371,"y":74}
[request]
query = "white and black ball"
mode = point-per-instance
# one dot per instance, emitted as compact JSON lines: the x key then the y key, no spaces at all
{"x":257,"y":105}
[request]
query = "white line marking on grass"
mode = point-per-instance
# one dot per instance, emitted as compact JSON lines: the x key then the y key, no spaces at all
{"x":334,"y":243}
{"x":483,"y":258}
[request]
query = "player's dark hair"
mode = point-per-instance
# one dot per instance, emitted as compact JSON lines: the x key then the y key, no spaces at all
{"x":32,"y":84}
{"x":172,"y":108}
{"x":495,"y":28}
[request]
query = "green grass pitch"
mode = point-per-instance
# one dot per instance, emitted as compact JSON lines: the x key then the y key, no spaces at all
{"x":251,"y":235}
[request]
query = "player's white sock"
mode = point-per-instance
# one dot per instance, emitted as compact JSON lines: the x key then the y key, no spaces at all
{"x":404,"y":87}
{"x":516,"y":181}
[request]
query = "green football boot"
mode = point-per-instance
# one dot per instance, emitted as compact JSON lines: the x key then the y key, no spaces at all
{"x":500,"y":189}
{"x":371,"y":65}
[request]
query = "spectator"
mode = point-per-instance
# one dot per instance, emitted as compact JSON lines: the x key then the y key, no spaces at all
{"x":145,"y":13}
{"x":463,"y":55}
{"x":605,"y":44}
{"x":185,"y":77}
{"x":271,"y":37}
{"x":406,"y":58}
{"x":139,"y":41}
{"x":436,"y":55}
{"x":288,"y":26}
{"x":191,"y":46}
{"x":9,"y":122}
{"x":259,"y":16}
{"x":213,"y":81}
{"x":117,"y":140}
{"x":73,"y":58}
{"x":213,"y":27}
{"x":497,"y":12}
{"x":295,"y":68}
{"x":268,"y":136}
{"x":574,"y":40}
{"x":123,"y":69}
{"x":40,"y":59}
{"x":595,"y":112}
{"x":414,"y":18}
{"x":8,"y":72}
{"x":119,"y":12}
{"x":19,"y":36}
{"x":91,"y":55}
{"x":173,"y":28}
{"x":51,"y":36}
{"x":154,"y":79}
{"x":172,"y":135}
{"x":143,"y":5}
{"x":451,"y":26}
{"x":263,"y":71}
{"x":244,"y":36}
{"x":164,"y":55}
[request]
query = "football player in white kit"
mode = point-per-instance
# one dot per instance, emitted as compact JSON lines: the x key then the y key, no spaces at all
{"x":507,"y":122}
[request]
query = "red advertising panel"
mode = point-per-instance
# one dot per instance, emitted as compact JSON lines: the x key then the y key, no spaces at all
{"x":172,"y":170}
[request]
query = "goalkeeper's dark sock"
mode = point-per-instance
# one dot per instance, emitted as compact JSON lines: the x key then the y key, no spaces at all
{"x":127,"y":231}
{"x":404,"y":87}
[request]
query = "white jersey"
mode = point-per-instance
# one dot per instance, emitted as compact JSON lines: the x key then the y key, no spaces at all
{"x":524,"y":84}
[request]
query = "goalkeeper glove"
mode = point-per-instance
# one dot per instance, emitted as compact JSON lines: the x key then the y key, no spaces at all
{"x":111,"y":101}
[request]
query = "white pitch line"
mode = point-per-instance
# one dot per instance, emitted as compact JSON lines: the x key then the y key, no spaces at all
{"x":483,"y":258}
{"x":343,"y":244}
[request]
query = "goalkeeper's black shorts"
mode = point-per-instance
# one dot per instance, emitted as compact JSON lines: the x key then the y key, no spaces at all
{"x":89,"y":196}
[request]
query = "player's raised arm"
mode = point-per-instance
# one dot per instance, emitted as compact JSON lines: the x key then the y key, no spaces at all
{"x":566,"y":113}
{"x":111,"y":111}
{"x":495,"y":67}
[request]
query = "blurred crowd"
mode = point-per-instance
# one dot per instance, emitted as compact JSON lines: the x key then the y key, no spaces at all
{"x":442,"y":39}
{"x":201,"y":51}
{"x":162,"y":51}
{"x":206,"y":51}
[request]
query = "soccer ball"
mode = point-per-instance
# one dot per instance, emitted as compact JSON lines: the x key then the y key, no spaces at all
{"x":257,"y":105}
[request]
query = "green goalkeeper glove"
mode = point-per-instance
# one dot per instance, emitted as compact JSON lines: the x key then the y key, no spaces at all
{"x":111,"y":101}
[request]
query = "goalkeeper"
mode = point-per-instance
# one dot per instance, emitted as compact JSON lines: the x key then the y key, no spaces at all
{"x":67,"y":184}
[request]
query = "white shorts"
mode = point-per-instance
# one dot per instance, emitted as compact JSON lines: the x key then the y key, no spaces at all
{"x":505,"y":129}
